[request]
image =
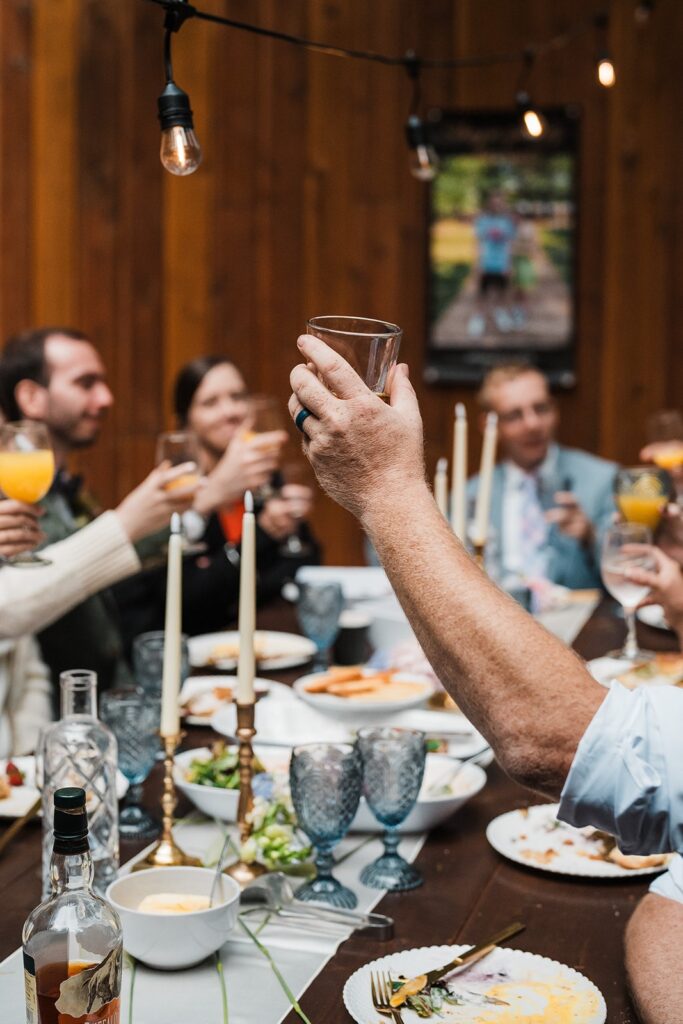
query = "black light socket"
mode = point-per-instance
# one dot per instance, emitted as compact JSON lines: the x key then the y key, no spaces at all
{"x":415,"y":132}
{"x":174,"y":108}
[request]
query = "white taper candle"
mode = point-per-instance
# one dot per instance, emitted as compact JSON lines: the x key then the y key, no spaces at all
{"x":488,"y":459}
{"x":246,"y":666}
{"x":441,"y":486}
{"x":170,"y":684}
{"x":459,"y":480}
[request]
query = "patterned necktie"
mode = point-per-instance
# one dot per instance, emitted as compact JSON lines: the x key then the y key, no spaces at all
{"x":533,"y":539}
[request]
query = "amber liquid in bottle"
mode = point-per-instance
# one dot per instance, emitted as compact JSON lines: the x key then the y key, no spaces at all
{"x":48,"y":981}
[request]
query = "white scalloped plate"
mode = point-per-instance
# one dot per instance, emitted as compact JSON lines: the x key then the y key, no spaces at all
{"x":533,"y":986}
{"x":535,"y":839}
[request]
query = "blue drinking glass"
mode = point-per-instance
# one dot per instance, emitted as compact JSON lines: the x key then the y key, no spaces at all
{"x":325,"y":781}
{"x":133,"y":717}
{"x":318,"y":610}
{"x":393,"y":768}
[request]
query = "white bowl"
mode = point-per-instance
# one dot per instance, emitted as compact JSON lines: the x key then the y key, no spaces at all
{"x":174,"y":941}
{"x":430,"y":810}
{"x":329,"y":704}
{"x":212,"y":800}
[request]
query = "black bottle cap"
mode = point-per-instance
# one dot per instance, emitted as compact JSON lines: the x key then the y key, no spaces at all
{"x":70,"y":821}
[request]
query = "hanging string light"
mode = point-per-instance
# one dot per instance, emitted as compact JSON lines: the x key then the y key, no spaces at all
{"x":424,"y":162}
{"x":533,"y":122}
{"x":180,"y":151}
{"x":605,"y":70}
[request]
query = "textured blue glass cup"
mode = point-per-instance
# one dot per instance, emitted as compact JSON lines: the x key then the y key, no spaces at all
{"x":133,"y":717}
{"x":318,"y":610}
{"x":325,"y":781}
{"x":393,"y":768}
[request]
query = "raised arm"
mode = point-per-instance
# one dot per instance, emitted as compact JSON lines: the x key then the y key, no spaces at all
{"x":528,"y":694}
{"x":654,"y":959}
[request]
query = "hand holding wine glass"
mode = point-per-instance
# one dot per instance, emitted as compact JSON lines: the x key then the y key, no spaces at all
{"x":27,"y":468}
{"x":627,"y":547}
{"x":19,"y":528}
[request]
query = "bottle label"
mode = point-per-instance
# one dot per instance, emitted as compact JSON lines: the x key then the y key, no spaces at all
{"x":30,"y":989}
{"x":93,"y":993}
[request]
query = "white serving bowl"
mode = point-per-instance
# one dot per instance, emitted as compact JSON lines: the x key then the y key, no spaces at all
{"x":363,"y":709}
{"x":174,"y":941}
{"x":212,"y":800}
{"x":430,"y":810}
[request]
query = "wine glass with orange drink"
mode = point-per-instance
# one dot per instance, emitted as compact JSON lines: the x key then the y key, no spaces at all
{"x":27,"y":469}
{"x":642,"y":494}
{"x":179,"y":447}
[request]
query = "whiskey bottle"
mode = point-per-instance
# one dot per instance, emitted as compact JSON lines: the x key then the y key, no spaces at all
{"x":72,"y":941}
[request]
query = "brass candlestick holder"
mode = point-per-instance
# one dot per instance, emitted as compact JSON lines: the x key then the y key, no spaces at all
{"x":242,"y":872}
{"x":480,"y":553}
{"x":167,"y":853}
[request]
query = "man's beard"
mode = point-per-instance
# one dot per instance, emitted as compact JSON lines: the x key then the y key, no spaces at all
{"x":67,"y":438}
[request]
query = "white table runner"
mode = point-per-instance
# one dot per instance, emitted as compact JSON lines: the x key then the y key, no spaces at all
{"x":254,"y":995}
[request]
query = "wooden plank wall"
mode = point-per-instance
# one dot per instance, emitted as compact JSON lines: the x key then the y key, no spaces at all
{"x":304,"y":204}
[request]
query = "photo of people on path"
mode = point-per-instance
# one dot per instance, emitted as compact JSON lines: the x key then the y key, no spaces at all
{"x":502,"y":244}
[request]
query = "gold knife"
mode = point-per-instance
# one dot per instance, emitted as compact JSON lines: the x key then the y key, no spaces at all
{"x":17,"y":826}
{"x":415,"y":985}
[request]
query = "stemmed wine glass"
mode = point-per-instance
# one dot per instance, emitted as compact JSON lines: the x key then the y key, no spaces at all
{"x":642,"y":494}
{"x":624,"y":547}
{"x":318,"y":609}
{"x":665,"y":433}
{"x":393,"y":768}
{"x":135,"y":722}
{"x":179,"y":447}
{"x":27,"y":469}
{"x":325,"y":782}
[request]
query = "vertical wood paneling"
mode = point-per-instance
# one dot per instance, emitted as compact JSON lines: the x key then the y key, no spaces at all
{"x":304,"y":203}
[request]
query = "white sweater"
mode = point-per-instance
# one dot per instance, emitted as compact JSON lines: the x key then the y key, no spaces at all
{"x":30,"y":599}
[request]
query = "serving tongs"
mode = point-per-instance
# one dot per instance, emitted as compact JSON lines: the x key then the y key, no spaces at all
{"x":274,"y":893}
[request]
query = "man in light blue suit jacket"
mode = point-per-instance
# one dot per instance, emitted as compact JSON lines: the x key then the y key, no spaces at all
{"x":550,"y":505}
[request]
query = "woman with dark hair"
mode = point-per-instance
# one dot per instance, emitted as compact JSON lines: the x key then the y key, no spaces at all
{"x":211,"y":399}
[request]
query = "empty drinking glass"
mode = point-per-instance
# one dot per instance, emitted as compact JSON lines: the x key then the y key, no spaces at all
{"x":393,"y":767}
{"x":325,"y":780}
{"x":148,"y":661}
{"x":318,"y":610}
{"x":624,"y":547}
{"x":134,"y":720}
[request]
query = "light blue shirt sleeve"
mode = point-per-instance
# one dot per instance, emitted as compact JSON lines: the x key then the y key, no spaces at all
{"x":627,"y":775}
{"x":670,"y":884}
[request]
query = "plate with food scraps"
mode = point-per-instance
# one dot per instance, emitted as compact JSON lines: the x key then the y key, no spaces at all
{"x":273,"y":650}
{"x":506,"y":987}
{"x":361,"y":691}
{"x":202,"y":696}
{"x":653,"y":615}
{"x":662,"y":669}
{"x":18,"y":791}
{"x":533,"y":836}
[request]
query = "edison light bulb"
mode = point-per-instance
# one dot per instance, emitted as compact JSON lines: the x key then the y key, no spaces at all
{"x":180,"y":151}
{"x":424,"y":163}
{"x":607,"y":76}
{"x":534,"y":123}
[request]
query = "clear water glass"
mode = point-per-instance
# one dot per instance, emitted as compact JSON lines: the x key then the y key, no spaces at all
{"x":393,"y":768}
{"x":325,"y":781}
{"x":626,"y":546}
{"x":318,"y":610}
{"x":134,"y":720}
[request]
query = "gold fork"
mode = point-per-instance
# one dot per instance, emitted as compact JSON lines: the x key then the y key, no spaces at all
{"x":380,"y":987}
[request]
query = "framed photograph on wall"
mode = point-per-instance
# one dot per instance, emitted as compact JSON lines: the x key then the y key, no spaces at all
{"x":502,"y":245}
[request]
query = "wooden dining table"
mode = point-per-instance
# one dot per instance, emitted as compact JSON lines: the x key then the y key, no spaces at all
{"x":469,"y":890}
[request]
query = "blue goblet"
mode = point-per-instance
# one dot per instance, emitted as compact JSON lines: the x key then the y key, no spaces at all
{"x":325,"y":780}
{"x":318,"y":610}
{"x":393,"y":767}
{"x":133,"y":717}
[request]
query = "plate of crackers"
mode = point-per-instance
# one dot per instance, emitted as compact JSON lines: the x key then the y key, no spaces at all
{"x":358,"y":690}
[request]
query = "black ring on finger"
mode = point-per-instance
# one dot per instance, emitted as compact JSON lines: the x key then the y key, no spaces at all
{"x":302,"y":415}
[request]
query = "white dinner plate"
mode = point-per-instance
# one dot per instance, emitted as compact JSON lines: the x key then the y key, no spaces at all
{"x":288,"y":722}
{"x":23,"y":797}
{"x":533,"y":837}
{"x":200,"y":690}
{"x":604,"y":670}
{"x":537,"y":988}
{"x":275,"y":650}
{"x":362,"y":707}
{"x":653,"y":615}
